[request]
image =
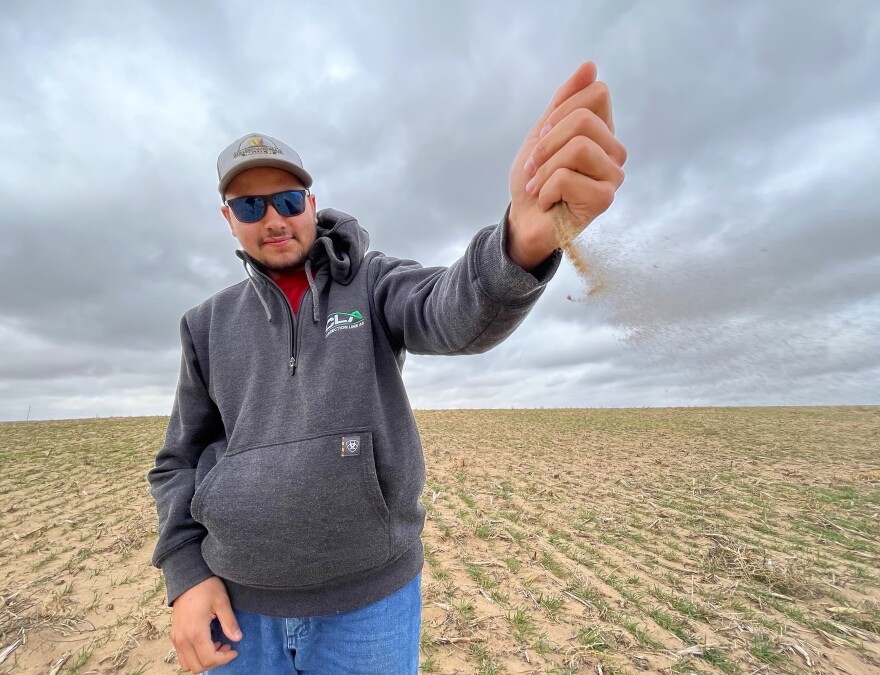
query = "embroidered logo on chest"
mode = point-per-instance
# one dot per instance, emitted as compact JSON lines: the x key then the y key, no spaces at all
{"x":343,"y":321}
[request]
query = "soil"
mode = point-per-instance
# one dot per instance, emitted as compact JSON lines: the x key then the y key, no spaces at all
{"x":714,"y":540}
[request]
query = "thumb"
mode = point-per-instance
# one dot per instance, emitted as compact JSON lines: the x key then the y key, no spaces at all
{"x":227,"y":619}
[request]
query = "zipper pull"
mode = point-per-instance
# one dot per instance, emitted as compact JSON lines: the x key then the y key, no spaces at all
{"x":292,"y":365}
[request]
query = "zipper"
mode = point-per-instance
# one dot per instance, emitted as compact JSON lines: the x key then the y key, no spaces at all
{"x":292,"y":323}
{"x":297,"y":341}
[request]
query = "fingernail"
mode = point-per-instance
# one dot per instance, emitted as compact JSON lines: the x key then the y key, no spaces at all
{"x":237,"y":635}
{"x":531,"y":185}
{"x":529,"y":168}
{"x":545,"y":129}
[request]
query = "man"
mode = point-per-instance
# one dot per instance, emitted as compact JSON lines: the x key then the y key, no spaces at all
{"x":287,"y":488}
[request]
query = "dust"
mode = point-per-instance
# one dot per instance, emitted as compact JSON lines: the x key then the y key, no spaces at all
{"x":636,"y":304}
{"x":724,"y":315}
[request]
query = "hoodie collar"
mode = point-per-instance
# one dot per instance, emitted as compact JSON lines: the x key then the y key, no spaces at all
{"x":340,"y":244}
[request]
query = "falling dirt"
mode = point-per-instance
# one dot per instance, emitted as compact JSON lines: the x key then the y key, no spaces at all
{"x":566,"y":234}
{"x":722,"y":323}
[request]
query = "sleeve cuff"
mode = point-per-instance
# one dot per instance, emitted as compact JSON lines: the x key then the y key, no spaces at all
{"x":183,"y":569}
{"x":503,"y":279}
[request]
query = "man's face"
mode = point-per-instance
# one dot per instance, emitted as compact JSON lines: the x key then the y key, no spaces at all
{"x":280,"y":244}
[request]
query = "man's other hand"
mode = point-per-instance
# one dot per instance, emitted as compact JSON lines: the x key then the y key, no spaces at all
{"x":192,"y":613}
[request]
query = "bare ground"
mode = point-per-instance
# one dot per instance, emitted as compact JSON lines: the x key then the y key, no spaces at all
{"x":713,"y":540}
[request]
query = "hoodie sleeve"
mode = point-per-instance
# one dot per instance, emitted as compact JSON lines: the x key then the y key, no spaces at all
{"x":466,"y":308}
{"x":195,"y":423}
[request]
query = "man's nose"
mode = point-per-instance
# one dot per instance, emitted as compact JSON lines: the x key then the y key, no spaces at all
{"x":272,"y":217}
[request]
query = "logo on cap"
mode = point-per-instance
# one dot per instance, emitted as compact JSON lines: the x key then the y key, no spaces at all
{"x":257,"y":145}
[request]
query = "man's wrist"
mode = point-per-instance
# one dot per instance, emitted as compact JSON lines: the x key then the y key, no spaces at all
{"x":526,"y":254}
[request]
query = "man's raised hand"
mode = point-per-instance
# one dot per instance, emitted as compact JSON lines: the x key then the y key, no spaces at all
{"x":570,"y":155}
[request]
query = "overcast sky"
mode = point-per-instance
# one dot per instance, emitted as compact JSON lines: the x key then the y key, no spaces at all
{"x":738,"y":265}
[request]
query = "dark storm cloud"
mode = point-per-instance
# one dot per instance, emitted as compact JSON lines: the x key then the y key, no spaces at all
{"x":740,"y":256}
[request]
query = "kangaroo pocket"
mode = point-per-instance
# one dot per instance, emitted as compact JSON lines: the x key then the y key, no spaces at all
{"x":295,"y":513}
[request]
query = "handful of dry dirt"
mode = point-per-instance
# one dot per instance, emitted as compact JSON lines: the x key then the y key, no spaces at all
{"x":566,"y":233}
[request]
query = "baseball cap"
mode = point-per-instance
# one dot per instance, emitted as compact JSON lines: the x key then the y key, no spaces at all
{"x":253,"y":150}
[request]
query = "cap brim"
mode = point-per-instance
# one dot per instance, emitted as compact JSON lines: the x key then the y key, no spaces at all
{"x":271,"y":162}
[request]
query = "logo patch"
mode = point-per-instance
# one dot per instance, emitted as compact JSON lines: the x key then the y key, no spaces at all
{"x":256,"y":145}
{"x":351,"y":446}
{"x":343,"y":321}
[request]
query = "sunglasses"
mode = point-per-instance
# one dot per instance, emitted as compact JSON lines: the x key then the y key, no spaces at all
{"x":251,"y":208}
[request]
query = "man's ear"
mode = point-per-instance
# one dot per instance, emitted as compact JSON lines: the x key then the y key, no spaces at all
{"x":225,"y":211}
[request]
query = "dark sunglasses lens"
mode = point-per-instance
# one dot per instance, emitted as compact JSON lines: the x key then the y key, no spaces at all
{"x":248,"y":209}
{"x":289,"y":203}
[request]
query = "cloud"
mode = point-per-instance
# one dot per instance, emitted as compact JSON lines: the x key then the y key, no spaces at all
{"x":737,"y":265}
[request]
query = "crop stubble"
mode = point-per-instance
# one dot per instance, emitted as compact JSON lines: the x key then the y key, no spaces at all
{"x":665,"y":540}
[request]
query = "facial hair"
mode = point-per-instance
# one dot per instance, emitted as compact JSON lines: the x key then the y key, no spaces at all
{"x":300,"y":260}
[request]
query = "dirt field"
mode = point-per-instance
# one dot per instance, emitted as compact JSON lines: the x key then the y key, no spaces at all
{"x":557,"y":541}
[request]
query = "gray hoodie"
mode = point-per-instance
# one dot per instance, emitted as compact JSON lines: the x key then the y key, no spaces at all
{"x":292,"y":465}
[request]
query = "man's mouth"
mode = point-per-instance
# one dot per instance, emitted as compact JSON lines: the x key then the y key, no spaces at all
{"x":277,"y":241}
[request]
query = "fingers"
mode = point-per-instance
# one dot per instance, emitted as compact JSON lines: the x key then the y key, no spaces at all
{"x":595,"y":98}
{"x":199,"y":653}
{"x":581,"y":155}
{"x":581,"y":122}
{"x":188,"y":661}
{"x":206,"y":655}
{"x":585,"y":197}
{"x":583,"y":77}
{"x":226,"y":617}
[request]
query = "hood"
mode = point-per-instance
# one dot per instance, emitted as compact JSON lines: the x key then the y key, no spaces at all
{"x":340,"y":244}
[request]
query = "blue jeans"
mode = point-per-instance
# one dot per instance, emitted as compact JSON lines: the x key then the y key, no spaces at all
{"x":378,"y":639}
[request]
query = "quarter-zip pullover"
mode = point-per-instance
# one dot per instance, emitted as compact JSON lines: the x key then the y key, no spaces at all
{"x":292,"y":465}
